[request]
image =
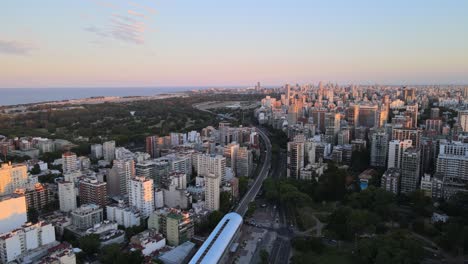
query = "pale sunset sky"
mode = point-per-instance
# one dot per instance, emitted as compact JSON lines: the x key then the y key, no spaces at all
{"x":150,"y":43}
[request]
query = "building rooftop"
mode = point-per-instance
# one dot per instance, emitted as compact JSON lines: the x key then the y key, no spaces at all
{"x":213,"y":248}
{"x":178,"y":254}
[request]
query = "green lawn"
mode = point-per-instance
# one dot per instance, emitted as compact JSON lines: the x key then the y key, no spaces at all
{"x":306,"y":216}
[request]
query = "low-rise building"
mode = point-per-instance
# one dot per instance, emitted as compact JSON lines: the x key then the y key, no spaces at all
{"x":86,"y":216}
{"x":124,"y":215}
{"x":177,"y":226}
{"x":148,"y":242}
{"x":179,"y":254}
{"x":17,"y":243}
{"x":60,"y":254}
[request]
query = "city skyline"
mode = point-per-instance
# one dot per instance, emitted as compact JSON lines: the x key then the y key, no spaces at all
{"x":98,"y":43}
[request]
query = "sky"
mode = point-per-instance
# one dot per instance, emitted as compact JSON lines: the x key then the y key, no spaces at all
{"x":161,"y":43}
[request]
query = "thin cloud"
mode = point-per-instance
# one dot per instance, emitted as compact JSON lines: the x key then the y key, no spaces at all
{"x":97,"y":31}
{"x":125,"y":18}
{"x":135,"y":13}
{"x":122,"y":29}
{"x":129,"y":31}
{"x":147,"y":8}
{"x":15,"y":47}
{"x":126,"y":25}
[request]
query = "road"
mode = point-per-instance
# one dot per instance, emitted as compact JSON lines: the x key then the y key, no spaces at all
{"x":243,"y":205}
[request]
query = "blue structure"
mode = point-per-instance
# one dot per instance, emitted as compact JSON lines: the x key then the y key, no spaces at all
{"x":217,"y":244}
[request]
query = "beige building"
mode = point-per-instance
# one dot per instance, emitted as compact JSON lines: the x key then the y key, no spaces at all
{"x":212,"y":183}
{"x":12,"y":177}
{"x":67,"y":196}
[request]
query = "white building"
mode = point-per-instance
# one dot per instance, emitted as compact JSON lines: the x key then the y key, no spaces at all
{"x":69,"y":162}
{"x":96,"y":151}
{"x":86,"y":216}
{"x":67,"y":196}
{"x":426,"y":184}
{"x":391,"y":180}
{"x":295,"y":159}
{"x":463,"y":120}
{"x":108,"y":150}
{"x":18,"y":242}
{"x":123,"y":215}
{"x":141,"y":195}
{"x":46,"y":145}
{"x":212,"y":183}
{"x":148,"y":242}
{"x":158,"y":198}
{"x":122,"y":153}
{"x":12,"y":177}
{"x":176,"y":194}
{"x":13,"y":211}
{"x":396,"y":148}
{"x":452,"y":167}
{"x":244,"y":162}
{"x":210,"y":164}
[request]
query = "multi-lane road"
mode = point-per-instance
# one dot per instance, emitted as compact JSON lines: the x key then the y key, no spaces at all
{"x":243,"y":205}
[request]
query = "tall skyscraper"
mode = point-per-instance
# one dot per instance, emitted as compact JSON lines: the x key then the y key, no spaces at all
{"x":244,"y":162}
{"x":208,"y":164}
{"x":108,"y":150}
{"x":368,"y":116}
{"x":141,"y":195}
{"x":410,"y":170}
{"x":412,"y":111}
{"x":332,"y":127}
{"x":212,"y":183}
{"x":318,"y":117}
{"x":230,"y":153}
{"x":463,"y":120}
{"x":396,"y":148}
{"x":67,"y":196}
{"x":119,"y":178}
{"x":152,"y":146}
{"x":379,"y":149}
{"x":352,"y":115}
{"x":295,"y":159}
{"x":69,"y":162}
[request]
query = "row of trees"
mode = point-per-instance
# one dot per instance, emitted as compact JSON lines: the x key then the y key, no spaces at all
{"x":330,"y":187}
